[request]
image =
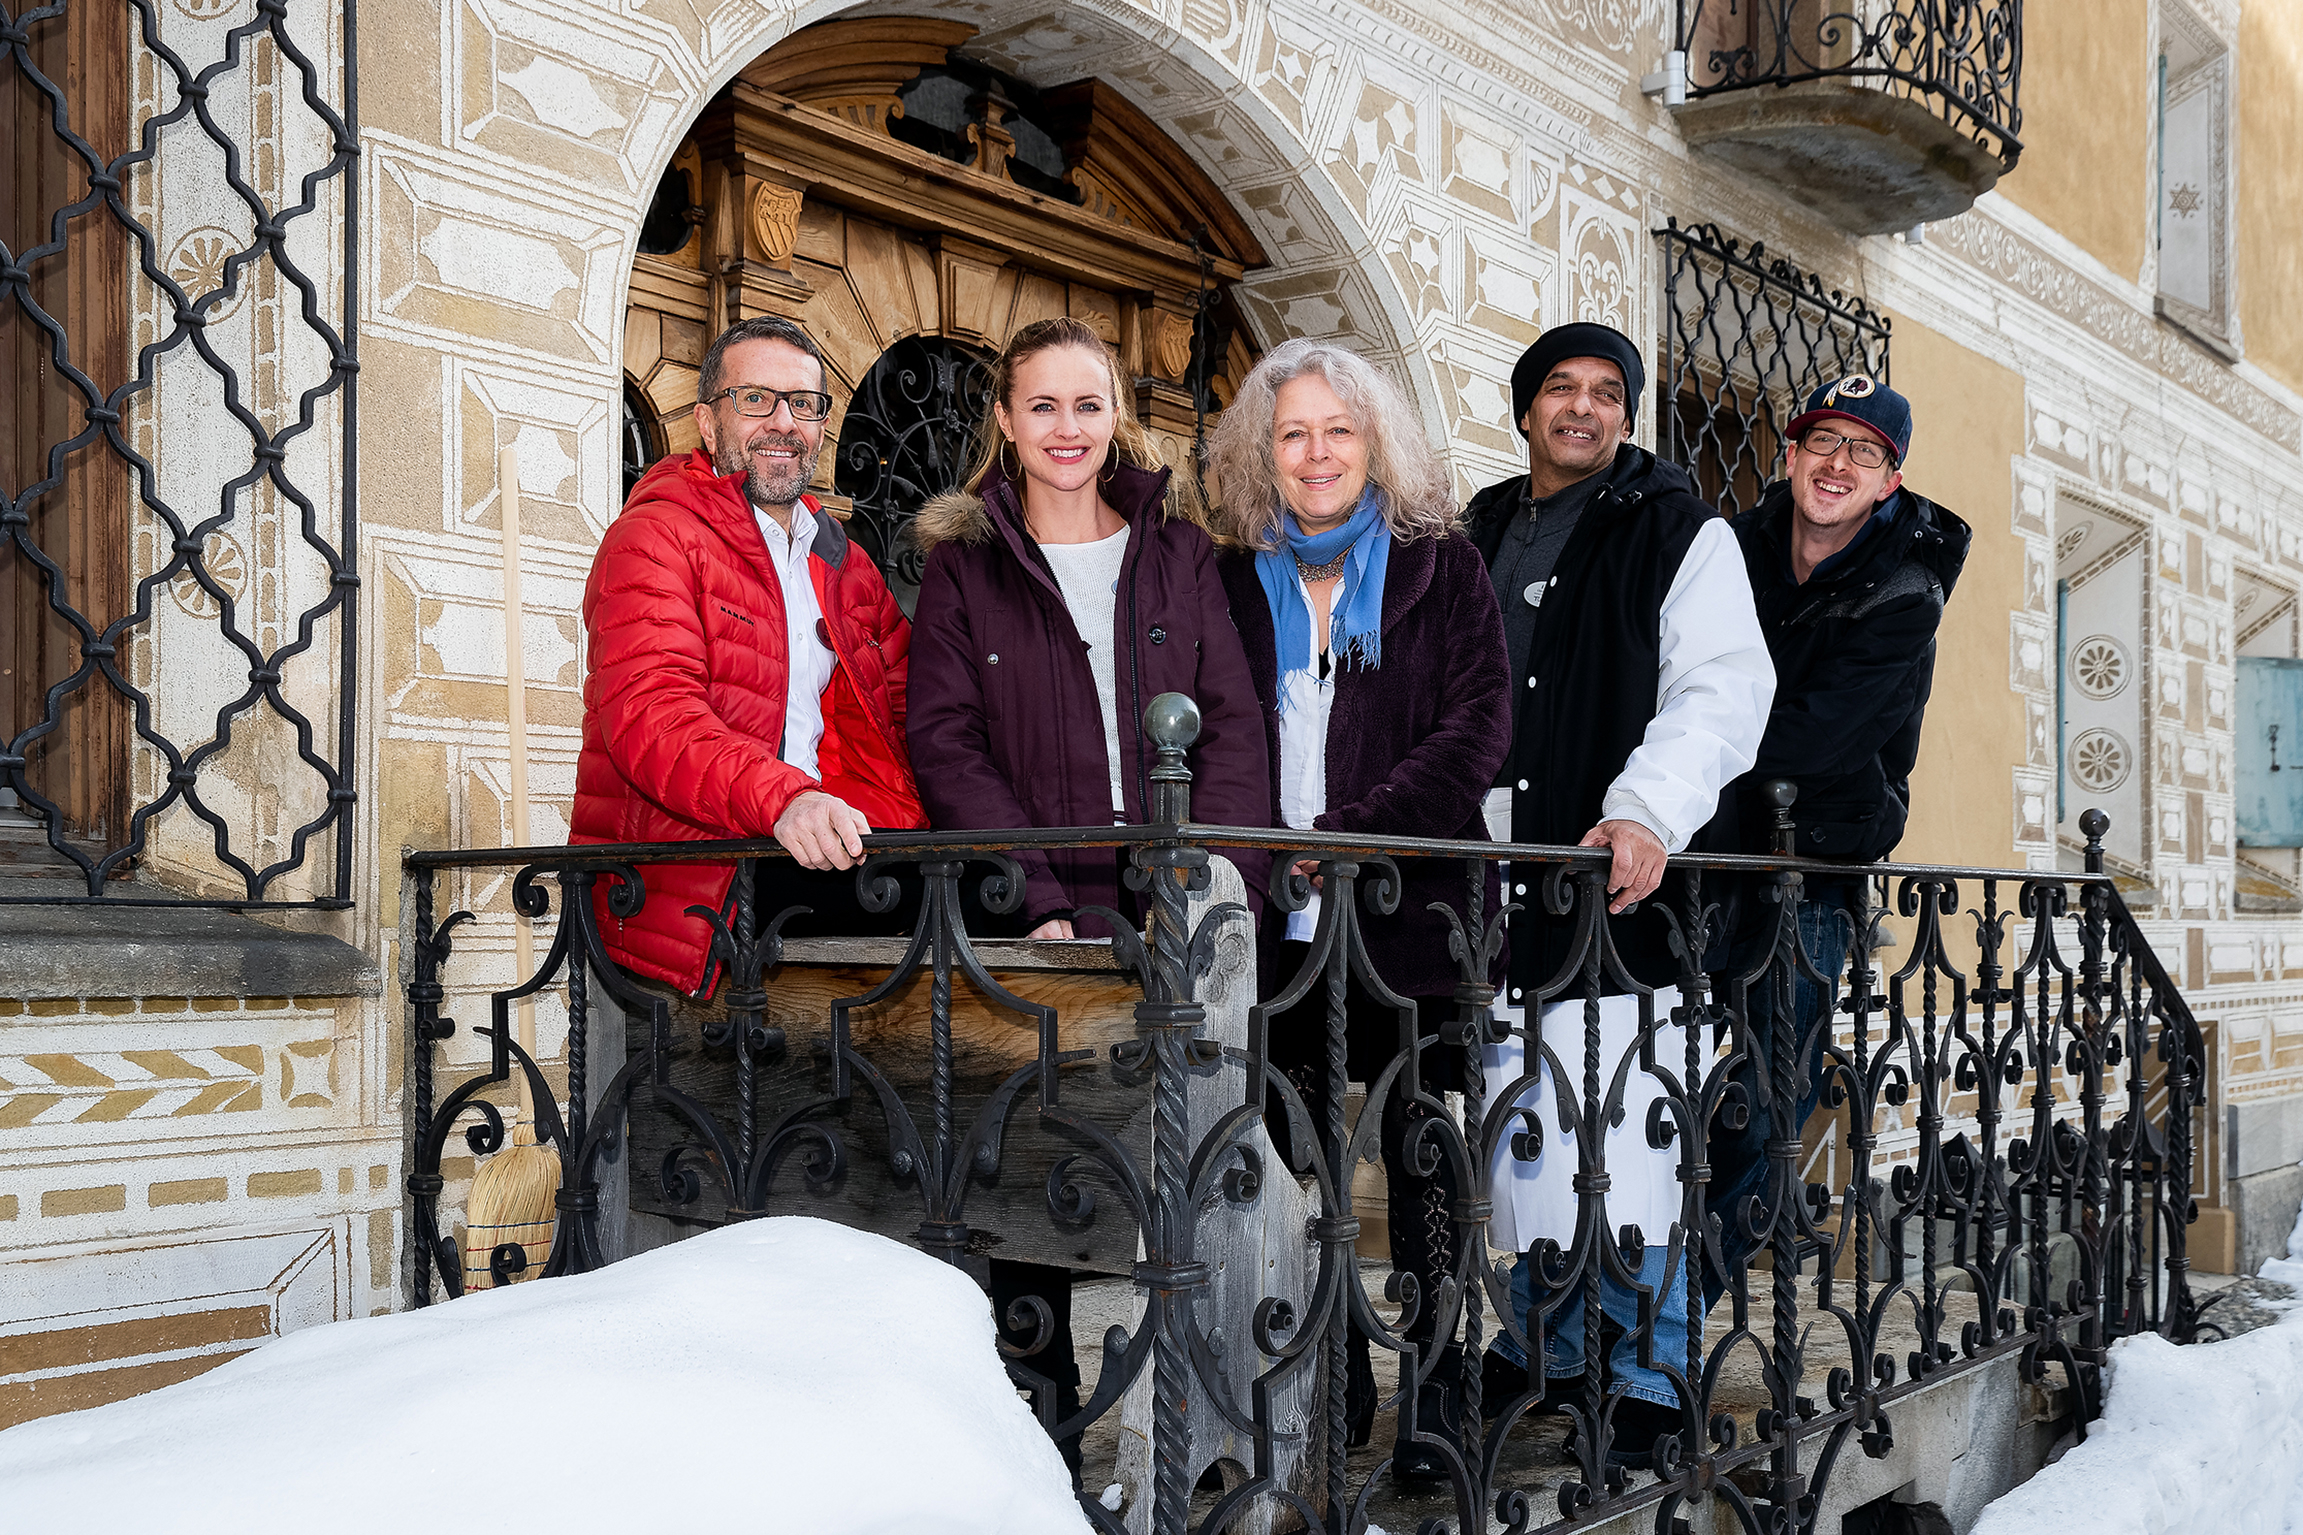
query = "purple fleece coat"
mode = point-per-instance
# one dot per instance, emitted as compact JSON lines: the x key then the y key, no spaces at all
{"x":1411,"y":746}
{"x":1005,"y":723}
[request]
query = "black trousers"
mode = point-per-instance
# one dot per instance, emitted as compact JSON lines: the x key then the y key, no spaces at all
{"x":1420,"y":1209}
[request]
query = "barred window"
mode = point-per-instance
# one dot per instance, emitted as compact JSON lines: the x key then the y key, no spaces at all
{"x":63,"y":496}
{"x":1746,"y":337}
{"x":176,"y":465}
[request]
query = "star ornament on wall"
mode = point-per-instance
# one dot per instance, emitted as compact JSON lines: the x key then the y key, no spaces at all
{"x":2186,"y":200}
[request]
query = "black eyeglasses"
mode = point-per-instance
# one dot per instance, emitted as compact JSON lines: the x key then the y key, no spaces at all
{"x":806,"y":404}
{"x":1822,"y":441}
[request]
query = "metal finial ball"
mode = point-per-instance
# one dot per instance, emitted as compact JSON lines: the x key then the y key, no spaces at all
{"x":2093,"y":823}
{"x":1172,"y":721}
{"x":1780,"y":792}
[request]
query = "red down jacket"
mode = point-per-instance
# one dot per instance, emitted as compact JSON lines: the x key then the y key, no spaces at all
{"x":684,"y":700}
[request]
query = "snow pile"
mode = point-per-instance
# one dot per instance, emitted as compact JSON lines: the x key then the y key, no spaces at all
{"x":787,"y":1374}
{"x":2205,"y":1440}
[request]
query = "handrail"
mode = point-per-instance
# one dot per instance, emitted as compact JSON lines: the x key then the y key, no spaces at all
{"x":601,"y":855}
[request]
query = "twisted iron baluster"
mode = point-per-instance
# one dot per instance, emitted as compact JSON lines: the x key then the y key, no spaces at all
{"x":1695,"y":1009}
{"x":1473,"y":996}
{"x":1340,"y":880}
{"x":1929,"y":1160}
{"x":1591,"y":1183}
{"x":1989,"y":936}
{"x":577,"y":1202}
{"x":1169,"y":1020}
{"x":431,"y":945}
{"x":425,"y":993}
{"x":2139,"y":1148}
{"x":1862,"y":1138}
{"x":2183,"y":1048}
{"x":744,"y":1003}
{"x":2088,"y":1053}
{"x":1782,"y":1148}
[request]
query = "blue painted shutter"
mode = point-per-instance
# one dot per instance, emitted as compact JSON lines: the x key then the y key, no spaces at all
{"x":2270,"y":752}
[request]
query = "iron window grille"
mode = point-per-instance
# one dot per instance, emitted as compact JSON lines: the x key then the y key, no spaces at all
{"x":177,"y":506}
{"x":1963,"y":59}
{"x":1746,"y":337}
{"x":909,"y":434}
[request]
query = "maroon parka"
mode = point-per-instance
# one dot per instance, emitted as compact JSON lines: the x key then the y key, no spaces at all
{"x":1005,"y":724}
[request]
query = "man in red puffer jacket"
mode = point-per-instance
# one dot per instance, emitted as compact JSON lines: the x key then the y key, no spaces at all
{"x":747,"y":667}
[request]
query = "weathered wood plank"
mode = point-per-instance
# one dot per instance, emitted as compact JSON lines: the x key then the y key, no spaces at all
{"x":1008,"y":1214}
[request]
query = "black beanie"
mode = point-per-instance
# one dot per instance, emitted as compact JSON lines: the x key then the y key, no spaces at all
{"x":1582,"y":339}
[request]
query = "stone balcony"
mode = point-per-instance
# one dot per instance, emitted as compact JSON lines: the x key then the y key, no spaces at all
{"x":1877,"y":116}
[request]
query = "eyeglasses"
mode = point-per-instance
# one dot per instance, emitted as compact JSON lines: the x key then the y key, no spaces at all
{"x":1822,"y":441}
{"x":806,"y":404}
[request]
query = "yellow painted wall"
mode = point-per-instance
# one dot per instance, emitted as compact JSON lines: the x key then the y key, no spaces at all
{"x":1967,"y":417}
{"x":2087,"y":122}
{"x":2270,"y":187}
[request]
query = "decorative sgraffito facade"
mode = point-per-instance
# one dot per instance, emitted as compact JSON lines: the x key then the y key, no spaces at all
{"x":1432,"y":184}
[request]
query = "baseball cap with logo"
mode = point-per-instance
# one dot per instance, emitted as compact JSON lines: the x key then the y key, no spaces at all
{"x":1860,"y":398}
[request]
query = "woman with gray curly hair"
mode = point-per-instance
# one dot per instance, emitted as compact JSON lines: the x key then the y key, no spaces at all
{"x":1377,"y":652}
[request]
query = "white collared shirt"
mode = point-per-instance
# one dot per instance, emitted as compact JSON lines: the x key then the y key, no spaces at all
{"x":1304,"y":708}
{"x":808,"y":659}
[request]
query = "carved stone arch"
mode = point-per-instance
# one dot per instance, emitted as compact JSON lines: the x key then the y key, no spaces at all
{"x":867,"y":178}
{"x":1156,"y":120}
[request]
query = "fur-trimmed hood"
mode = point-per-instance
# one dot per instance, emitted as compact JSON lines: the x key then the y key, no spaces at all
{"x":955,"y":517}
{"x":962,"y":517}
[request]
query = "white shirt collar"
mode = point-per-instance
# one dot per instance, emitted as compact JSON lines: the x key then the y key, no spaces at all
{"x":803,"y":534}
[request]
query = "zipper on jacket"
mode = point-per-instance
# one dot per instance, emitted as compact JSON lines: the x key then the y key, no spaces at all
{"x":901,"y":749}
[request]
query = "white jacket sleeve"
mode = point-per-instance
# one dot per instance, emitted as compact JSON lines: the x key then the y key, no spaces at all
{"x":1712,"y":694}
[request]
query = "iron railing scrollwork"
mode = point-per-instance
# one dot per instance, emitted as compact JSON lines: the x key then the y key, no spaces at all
{"x":908,"y":434}
{"x":240,"y":394}
{"x":1998,"y":1190}
{"x":1746,"y":336}
{"x":1962,"y":58}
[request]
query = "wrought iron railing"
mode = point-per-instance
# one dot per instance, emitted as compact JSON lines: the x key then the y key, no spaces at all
{"x":218,"y":320}
{"x":1962,"y":58}
{"x":2004,"y":1195}
{"x":1746,"y":336}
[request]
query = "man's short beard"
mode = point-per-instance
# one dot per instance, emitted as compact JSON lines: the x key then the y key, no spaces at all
{"x":763,"y":485}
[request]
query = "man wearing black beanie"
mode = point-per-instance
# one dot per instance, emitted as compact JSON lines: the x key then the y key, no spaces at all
{"x":1643,"y":685}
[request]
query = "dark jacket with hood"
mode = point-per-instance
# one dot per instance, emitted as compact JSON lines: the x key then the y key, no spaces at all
{"x":1589,"y":691}
{"x":1854,"y":652}
{"x":1005,"y":723}
{"x":1411,"y":745}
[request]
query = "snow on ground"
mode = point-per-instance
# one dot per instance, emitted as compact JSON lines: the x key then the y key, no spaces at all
{"x":783,"y":1374}
{"x":2205,"y":1440}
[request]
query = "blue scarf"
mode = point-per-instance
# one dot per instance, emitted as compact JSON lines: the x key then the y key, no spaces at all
{"x":1356,"y":623}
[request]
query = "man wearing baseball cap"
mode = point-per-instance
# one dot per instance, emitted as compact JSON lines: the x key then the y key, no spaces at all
{"x":1642,"y":685}
{"x":1850,"y":569}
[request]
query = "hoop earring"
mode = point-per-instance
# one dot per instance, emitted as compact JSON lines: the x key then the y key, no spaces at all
{"x":1111,"y":465}
{"x":1015,"y":476}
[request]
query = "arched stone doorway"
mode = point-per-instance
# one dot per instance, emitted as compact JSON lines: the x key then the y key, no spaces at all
{"x":912,"y":206}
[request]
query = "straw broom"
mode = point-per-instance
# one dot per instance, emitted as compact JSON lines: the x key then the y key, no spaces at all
{"x":512,"y":1196}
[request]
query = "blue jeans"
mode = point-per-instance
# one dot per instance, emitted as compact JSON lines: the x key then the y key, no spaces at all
{"x":1563,"y":1349}
{"x":1739,"y":1157}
